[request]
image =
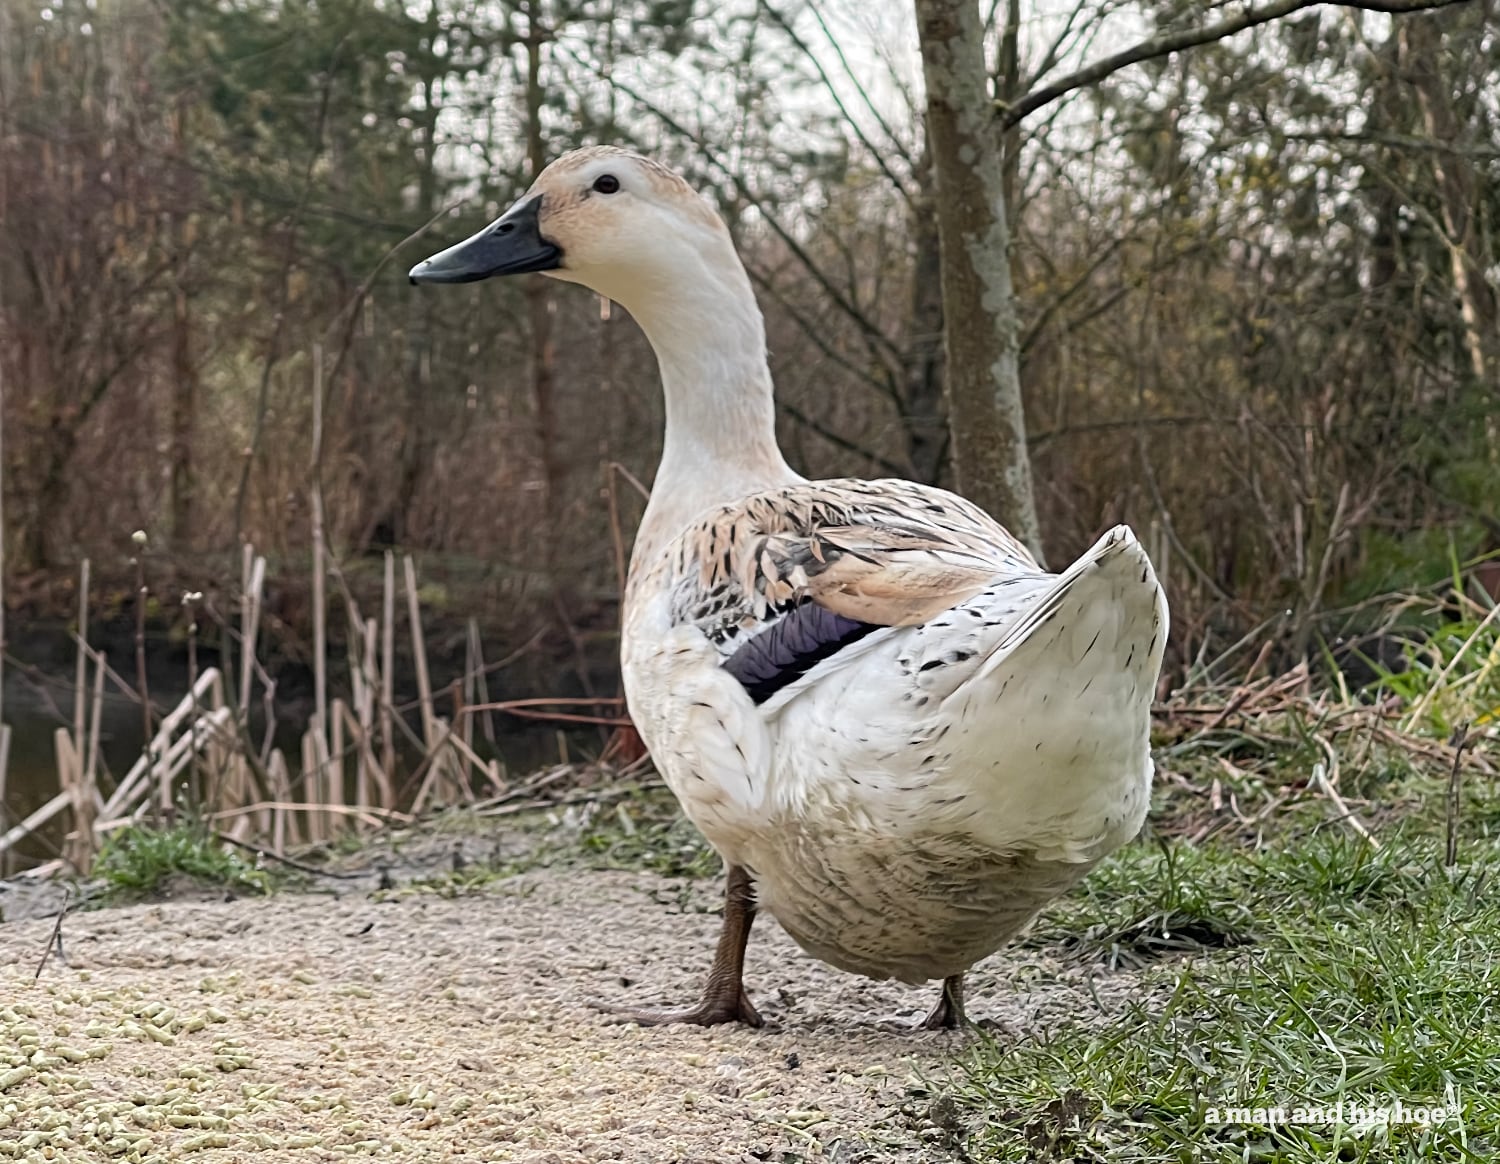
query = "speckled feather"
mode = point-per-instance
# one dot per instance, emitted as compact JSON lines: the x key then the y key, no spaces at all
{"x":886,"y":552}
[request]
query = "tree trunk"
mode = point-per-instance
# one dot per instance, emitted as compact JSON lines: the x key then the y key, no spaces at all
{"x":926,"y":420}
{"x":981,"y":334}
{"x":1422,"y":41}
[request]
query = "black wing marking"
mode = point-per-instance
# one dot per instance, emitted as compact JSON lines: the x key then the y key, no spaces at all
{"x":797,"y":642}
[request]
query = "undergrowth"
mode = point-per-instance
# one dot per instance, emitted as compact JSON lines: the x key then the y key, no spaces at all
{"x":644,"y":830}
{"x":1355,"y":976}
{"x":651,"y":833}
{"x":1451,"y":680}
{"x":138,"y":860}
{"x":1308,"y":925}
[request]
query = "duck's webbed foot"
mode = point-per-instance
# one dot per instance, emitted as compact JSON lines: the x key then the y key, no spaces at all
{"x":724,"y":998}
{"x":948,"y":1014}
{"x":712,"y":1010}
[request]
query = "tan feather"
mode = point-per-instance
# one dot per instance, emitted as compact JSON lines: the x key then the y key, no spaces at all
{"x":890,"y":553}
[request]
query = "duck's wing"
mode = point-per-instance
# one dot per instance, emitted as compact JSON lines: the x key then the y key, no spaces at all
{"x":783,"y":580}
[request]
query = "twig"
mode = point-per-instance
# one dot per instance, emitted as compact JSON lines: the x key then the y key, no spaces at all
{"x":261,"y":854}
{"x":530,"y":788}
{"x":351,"y":310}
{"x":80,"y":682}
{"x":1457,"y":740}
{"x":547,"y":701}
{"x":535,"y":709}
{"x":301,"y":806}
{"x":497,"y":807}
{"x":54,"y":939}
{"x":570,"y":717}
{"x":141,"y":595}
{"x":1424,"y":704}
{"x":387,"y":668}
{"x":1158,"y":46}
{"x":1325,"y":779}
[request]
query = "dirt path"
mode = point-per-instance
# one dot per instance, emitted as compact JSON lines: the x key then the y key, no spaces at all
{"x":421,"y":1027}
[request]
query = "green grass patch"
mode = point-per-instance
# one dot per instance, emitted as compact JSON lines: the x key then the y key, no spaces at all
{"x":648,"y":832}
{"x":464,"y":882}
{"x":1318,"y":972}
{"x":137,"y":861}
{"x":1452,"y":679}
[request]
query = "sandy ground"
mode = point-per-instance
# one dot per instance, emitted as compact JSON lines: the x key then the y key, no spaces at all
{"x":409,"y":1025}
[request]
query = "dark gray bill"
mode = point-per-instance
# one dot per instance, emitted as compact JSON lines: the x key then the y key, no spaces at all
{"x":511,"y":245}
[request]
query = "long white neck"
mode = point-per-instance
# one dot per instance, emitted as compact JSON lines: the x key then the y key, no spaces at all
{"x":720,"y":442}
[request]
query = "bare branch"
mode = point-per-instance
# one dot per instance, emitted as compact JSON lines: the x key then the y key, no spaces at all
{"x":1054,"y":51}
{"x":815,"y":331}
{"x":1165,"y":45}
{"x":1398,"y":142}
{"x":842,"y":442}
{"x":875,"y":152}
{"x":1061,"y":299}
{"x":864,"y":94}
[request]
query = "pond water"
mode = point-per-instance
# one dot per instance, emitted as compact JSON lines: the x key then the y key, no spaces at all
{"x":35,"y":709}
{"x":36,"y":706}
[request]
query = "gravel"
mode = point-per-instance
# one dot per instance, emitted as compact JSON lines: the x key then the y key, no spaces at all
{"x":413,"y":1025}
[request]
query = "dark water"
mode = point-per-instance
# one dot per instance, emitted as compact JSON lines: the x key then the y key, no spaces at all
{"x":36,"y":707}
{"x":38,"y":699}
{"x":31,"y":775}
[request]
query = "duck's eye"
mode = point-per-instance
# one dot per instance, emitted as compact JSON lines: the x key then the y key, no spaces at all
{"x":606,"y":183}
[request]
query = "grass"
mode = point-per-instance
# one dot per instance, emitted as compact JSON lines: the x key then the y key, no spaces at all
{"x":648,"y":832}
{"x":1452,"y":681}
{"x":139,"y":861}
{"x":1277,"y":959}
{"x":1358,"y":975}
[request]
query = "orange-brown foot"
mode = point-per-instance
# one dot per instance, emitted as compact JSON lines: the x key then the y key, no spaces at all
{"x":724,"y":997}
{"x":712,"y":1011}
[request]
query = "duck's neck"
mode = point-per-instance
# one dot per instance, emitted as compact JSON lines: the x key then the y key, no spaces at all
{"x":720,"y":441}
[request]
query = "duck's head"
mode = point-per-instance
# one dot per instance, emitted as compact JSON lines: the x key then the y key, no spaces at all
{"x":604,"y":217}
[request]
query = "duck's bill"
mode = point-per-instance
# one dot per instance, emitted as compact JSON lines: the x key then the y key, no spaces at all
{"x":511,"y":245}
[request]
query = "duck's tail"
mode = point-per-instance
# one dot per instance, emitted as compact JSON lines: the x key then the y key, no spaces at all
{"x":1059,"y":710}
{"x":1106,"y":612}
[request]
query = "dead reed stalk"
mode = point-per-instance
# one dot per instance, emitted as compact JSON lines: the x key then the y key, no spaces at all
{"x":199,"y":758}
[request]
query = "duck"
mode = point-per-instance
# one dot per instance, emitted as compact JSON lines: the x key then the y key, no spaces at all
{"x":903,"y":736}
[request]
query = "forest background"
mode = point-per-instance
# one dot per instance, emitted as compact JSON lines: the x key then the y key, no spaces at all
{"x":1255,"y":285}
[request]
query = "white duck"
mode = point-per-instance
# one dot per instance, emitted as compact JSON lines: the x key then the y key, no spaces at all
{"x":867,"y":695}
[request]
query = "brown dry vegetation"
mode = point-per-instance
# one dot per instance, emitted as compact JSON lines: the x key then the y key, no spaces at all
{"x":1256,"y":321}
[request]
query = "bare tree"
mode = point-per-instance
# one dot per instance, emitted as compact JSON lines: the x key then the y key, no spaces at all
{"x":980,"y":307}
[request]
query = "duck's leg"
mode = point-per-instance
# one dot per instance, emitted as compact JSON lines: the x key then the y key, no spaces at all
{"x":724,"y":999}
{"x":948,"y":1014}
